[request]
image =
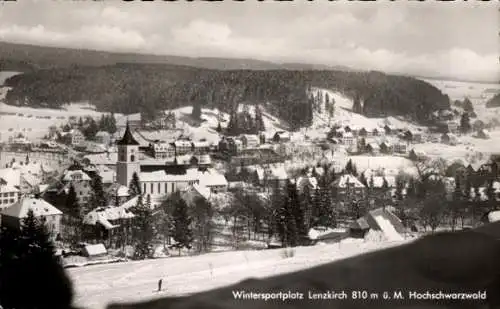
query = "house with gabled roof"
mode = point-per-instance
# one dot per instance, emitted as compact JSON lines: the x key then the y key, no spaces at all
{"x":381,"y":221}
{"x":386,"y":147}
{"x":13,"y":216}
{"x":347,"y":185}
{"x":9,"y":194}
{"x":109,"y":224}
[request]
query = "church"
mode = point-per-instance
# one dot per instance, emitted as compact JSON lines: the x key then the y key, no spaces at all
{"x":161,"y":180}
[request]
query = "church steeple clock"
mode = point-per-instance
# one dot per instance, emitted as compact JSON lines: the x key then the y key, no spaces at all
{"x":128,"y":155}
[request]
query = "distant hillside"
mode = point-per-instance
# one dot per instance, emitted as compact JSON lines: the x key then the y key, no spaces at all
{"x":494,"y":102}
{"x":26,"y":58}
{"x":147,"y":88}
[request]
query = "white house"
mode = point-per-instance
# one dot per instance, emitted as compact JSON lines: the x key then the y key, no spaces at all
{"x":12,"y":216}
{"x":163,"y":150}
{"x":183,"y":147}
{"x":9,"y":194}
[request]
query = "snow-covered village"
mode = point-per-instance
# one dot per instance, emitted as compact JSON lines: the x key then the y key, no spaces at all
{"x":146,"y":178}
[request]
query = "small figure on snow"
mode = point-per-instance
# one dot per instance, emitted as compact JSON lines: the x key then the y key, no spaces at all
{"x":159,"y":284}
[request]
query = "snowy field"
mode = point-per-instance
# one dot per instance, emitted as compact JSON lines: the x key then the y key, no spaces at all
{"x":7,"y":74}
{"x":34,"y":123}
{"x":97,"y":286}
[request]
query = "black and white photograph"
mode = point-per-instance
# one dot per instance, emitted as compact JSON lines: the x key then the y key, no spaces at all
{"x":249,"y":154}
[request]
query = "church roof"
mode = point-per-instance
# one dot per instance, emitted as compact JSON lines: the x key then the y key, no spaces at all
{"x":128,"y":138}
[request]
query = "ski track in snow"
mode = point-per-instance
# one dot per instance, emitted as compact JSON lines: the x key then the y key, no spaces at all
{"x":96,"y":286}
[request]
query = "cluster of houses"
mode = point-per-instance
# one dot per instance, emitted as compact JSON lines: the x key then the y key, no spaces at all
{"x":186,"y":166}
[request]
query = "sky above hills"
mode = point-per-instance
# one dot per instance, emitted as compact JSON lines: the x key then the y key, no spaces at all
{"x":458,"y":40}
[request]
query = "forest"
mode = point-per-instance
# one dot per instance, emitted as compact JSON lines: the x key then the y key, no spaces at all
{"x":147,"y":88}
{"x":494,"y":102}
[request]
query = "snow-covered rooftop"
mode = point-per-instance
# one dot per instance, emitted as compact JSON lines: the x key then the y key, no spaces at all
{"x":39,"y":206}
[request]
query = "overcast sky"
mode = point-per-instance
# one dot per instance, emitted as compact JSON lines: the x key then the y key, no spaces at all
{"x":452,"y":39}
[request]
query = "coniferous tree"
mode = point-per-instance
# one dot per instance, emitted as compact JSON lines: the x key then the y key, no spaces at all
{"x":233,"y":128}
{"x":28,"y":262}
{"x":97,"y":195}
{"x":259,"y":122}
{"x":74,"y":216}
{"x":467,"y":105}
{"x":164,"y":223}
{"x":134,"y":188}
{"x":202,"y":215}
{"x":371,"y":183}
{"x":144,"y":229}
{"x":327,"y":101}
{"x":91,"y":129}
{"x":363,"y":180}
{"x":465,"y":125}
{"x":112,"y":124}
{"x":71,"y":204}
{"x":196,"y":112}
{"x":457,"y":204}
{"x":357,"y":105}
{"x":349,"y":167}
{"x":306,"y":203}
{"x":181,"y":233}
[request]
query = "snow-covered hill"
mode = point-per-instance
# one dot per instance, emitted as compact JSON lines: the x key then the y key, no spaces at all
{"x":35,"y":122}
{"x":478,"y":93}
{"x":206,"y":128}
{"x":97,"y":286}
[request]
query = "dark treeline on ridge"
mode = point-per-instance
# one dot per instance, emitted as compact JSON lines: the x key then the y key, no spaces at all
{"x":494,"y":102}
{"x":147,"y":88}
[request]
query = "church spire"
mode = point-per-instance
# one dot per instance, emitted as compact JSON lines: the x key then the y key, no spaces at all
{"x":128,"y":138}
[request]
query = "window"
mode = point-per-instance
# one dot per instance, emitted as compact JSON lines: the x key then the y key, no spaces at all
{"x":12,"y":193}
{"x":152,"y":188}
{"x":132,"y":158}
{"x":166,"y":187}
{"x":144,"y":188}
{"x":159,"y":188}
{"x":81,"y":193}
{"x":11,"y":200}
{"x":172,"y":186}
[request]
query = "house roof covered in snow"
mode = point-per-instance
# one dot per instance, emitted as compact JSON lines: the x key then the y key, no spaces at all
{"x":75,"y":175}
{"x":494,"y":216}
{"x":183,"y":143}
{"x":347,"y":180}
{"x":250,"y":137}
{"x":196,"y":190}
{"x":212,"y":178}
{"x":378,"y":181}
{"x":39,"y":206}
{"x":6,"y":188}
{"x":122,"y":120}
{"x":162,"y":176}
{"x":102,"y":134}
{"x":312,"y":182}
{"x":103,"y":216}
{"x":109,"y":158}
{"x":11,"y":176}
{"x":95,"y":250}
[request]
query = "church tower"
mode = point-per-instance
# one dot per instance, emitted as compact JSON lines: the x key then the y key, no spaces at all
{"x":128,"y":158}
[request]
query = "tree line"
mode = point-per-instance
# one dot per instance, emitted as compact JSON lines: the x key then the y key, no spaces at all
{"x":147,"y":88}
